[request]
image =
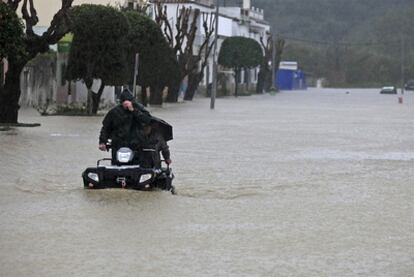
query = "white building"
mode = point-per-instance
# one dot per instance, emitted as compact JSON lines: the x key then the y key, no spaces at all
{"x":234,"y":20}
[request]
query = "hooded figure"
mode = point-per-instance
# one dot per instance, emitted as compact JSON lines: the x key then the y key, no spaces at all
{"x":123,"y":124}
{"x":126,"y":95}
{"x":154,"y":141}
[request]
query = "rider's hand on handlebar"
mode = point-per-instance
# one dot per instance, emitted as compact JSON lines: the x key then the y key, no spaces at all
{"x":102,"y":147}
{"x":168,"y":161}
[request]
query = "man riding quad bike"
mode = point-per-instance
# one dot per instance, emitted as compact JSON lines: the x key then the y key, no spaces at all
{"x":136,"y":139}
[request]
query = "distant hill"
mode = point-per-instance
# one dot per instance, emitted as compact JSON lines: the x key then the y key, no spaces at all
{"x":349,"y":42}
{"x":325,"y":19}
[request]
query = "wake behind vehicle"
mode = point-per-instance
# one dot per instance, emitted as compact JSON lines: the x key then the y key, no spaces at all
{"x":126,"y":172}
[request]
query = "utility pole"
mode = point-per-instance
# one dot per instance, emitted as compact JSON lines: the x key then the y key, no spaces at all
{"x":134,"y":88}
{"x":215,"y":65}
{"x":402,"y":42}
{"x":273,"y":87}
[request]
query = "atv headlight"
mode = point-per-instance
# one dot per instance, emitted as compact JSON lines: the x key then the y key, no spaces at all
{"x":145,"y":177}
{"x":124,"y":155}
{"x":93,"y":176}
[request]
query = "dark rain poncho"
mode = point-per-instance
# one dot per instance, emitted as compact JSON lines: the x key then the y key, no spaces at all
{"x":124,"y":127}
{"x":156,"y":141}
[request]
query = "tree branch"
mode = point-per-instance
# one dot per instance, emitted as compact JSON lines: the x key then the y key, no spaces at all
{"x":101,"y":89}
{"x":206,"y":45}
{"x":182,"y":27}
{"x":30,"y":18}
{"x":191,"y":34}
{"x":262,"y":43}
{"x":60,"y":23}
{"x":280,"y":45}
{"x":14,"y":4}
{"x":268,"y":50}
{"x":58,"y":27}
{"x":161,"y":19}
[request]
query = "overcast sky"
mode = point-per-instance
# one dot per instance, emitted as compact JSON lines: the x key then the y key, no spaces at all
{"x":47,"y":8}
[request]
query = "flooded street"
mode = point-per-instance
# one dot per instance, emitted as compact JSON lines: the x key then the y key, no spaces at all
{"x":316,"y":183}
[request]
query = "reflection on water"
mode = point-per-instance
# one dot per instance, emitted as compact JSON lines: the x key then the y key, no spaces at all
{"x":303,"y":183}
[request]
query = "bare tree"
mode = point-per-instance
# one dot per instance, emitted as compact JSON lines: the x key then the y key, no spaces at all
{"x":266,"y":76}
{"x":264,"y":81}
{"x":196,"y":73}
{"x":181,"y":38}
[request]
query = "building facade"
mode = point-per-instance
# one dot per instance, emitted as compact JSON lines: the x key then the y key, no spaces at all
{"x":236,"y":18}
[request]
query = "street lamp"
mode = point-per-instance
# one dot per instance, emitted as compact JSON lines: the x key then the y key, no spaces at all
{"x":402,"y":46}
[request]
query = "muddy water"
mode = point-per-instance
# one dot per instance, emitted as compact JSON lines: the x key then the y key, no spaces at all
{"x":316,"y":183}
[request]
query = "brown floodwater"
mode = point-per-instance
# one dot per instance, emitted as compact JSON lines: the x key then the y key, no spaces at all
{"x":315,"y":183}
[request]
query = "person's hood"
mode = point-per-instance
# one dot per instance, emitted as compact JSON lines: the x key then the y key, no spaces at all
{"x":126,"y":95}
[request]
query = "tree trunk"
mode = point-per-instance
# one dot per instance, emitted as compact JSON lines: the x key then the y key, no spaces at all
{"x":193,"y":83}
{"x":260,"y":81}
{"x":144,"y":100}
{"x":89,"y":100}
{"x":10,"y":94}
{"x":264,"y":82}
{"x":156,"y":96}
{"x":236,"y":81}
{"x":268,"y":79}
{"x":173,"y":90}
{"x":96,"y":98}
{"x":1,"y":73}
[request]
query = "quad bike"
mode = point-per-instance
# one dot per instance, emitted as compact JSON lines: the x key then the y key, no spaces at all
{"x":126,"y":172}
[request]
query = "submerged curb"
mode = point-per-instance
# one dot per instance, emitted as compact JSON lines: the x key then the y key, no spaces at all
{"x":8,"y":126}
